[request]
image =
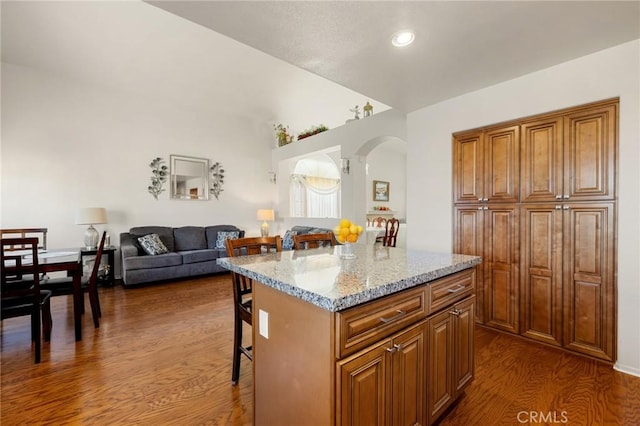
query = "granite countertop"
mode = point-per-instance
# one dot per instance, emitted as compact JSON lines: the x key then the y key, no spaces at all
{"x":322,"y":278}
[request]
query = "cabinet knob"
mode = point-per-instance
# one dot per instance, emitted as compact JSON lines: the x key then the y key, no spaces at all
{"x":565,"y":196}
{"x":558,"y":207}
{"x":558,"y":197}
{"x":565,"y":207}
{"x":455,"y":312}
{"x":486,"y":199}
{"x":392,"y":350}
{"x":485,"y":208}
{"x":479,"y":200}
{"x":398,"y":347}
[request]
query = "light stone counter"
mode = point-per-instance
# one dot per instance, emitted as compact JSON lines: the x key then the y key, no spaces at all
{"x":322,"y":278}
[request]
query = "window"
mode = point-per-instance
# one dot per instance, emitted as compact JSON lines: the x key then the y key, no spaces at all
{"x":315,"y":188}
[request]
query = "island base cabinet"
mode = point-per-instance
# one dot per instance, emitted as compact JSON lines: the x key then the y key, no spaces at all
{"x":385,"y":383}
{"x":450,"y":356}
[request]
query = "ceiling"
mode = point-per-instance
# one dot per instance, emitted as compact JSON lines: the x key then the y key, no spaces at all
{"x":460,"y":46}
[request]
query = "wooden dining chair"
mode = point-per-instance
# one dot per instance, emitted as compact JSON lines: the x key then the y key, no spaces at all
{"x":40,"y":233}
{"x":308,"y":241}
{"x":242,"y":288}
{"x":390,"y":237}
{"x":20,"y":296}
{"x":379,"y":222}
{"x":64,"y":286}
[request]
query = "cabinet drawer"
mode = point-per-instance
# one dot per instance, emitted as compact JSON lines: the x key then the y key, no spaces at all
{"x":448,"y":290}
{"x":366,"y":324}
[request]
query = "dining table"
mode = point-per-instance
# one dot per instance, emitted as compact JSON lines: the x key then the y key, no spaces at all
{"x":374,"y":232}
{"x":65,"y":260}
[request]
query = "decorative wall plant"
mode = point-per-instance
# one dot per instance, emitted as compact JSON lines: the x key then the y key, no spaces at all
{"x":217,"y":179}
{"x":158,"y":178}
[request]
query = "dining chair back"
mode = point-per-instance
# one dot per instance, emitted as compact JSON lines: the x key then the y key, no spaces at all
{"x":242,"y":288}
{"x":64,"y":286}
{"x":391,"y":233}
{"x":308,"y":241}
{"x":22,"y":297}
{"x":379,"y":222}
{"x":40,"y":233}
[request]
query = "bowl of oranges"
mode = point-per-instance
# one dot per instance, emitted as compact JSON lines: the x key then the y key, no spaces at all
{"x":347,"y":234}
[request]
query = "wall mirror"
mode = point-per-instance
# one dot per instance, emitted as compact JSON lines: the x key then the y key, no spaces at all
{"x":189,"y":178}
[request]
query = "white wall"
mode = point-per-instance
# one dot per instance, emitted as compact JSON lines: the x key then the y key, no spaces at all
{"x":69,"y":144}
{"x":610,"y":73}
{"x":387,"y":162}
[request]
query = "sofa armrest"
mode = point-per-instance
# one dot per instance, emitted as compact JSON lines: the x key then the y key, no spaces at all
{"x":127,"y":246}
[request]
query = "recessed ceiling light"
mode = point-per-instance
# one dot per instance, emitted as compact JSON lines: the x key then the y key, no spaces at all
{"x":403,"y":38}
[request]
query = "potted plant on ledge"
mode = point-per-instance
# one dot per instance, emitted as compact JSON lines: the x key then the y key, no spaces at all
{"x":313,"y":131}
{"x":282,"y":133}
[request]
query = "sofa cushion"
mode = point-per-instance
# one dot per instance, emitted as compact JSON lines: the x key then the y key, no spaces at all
{"x":152,"y":244}
{"x":165,"y":233}
{"x":159,"y":261}
{"x":287,"y":240}
{"x":301,"y":230}
{"x":223,"y":236}
{"x":212,"y":234}
{"x":194,"y":256}
{"x":189,"y":238}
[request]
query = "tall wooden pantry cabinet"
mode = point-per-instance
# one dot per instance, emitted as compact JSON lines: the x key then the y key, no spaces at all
{"x":536,"y":198}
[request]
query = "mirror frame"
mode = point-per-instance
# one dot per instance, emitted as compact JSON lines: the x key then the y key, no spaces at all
{"x":203,"y":183}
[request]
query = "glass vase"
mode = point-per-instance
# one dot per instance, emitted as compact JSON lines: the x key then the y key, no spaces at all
{"x":347,"y":251}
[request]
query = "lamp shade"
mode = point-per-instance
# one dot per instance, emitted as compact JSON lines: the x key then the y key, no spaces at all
{"x":91,"y":216}
{"x":266,"y":214}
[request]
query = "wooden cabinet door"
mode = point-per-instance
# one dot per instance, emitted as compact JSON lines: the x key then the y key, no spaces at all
{"x":502,"y":165}
{"x":463,"y":344}
{"x":541,"y":163}
{"x":364,"y":386}
{"x":440,"y":387}
{"x":468,"y":168}
{"x":542,"y":272}
{"x":501,"y":259}
{"x":589,"y":280}
{"x":590,"y":154}
{"x":409,"y":376}
{"x":468,"y":232}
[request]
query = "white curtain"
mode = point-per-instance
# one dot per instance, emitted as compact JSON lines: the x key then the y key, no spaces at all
{"x":313,"y":196}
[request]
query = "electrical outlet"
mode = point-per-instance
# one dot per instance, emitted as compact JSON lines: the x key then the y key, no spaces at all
{"x":263,"y":323}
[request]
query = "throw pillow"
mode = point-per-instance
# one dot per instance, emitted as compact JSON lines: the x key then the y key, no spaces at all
{"x":287,"y":240}
{"x":152,"y":244}
{"x":223,"y":236}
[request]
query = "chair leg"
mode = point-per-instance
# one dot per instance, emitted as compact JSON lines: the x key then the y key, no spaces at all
{"x":237,"y":341}
{"x":47,"y":321}
{"x":35,"y":333}
{"x":95,"y":307}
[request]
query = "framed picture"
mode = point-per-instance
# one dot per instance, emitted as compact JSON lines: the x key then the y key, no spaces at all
{"x":380,"y":190}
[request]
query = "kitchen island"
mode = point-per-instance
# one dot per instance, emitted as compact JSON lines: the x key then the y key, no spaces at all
{"x":385,"y":338}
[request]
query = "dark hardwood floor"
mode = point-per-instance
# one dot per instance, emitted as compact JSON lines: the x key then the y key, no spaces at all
{"x":162,"y":355}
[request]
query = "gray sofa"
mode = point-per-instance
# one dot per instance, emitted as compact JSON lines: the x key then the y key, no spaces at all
{"x":193,"y":251}
{"x":287,"y":237}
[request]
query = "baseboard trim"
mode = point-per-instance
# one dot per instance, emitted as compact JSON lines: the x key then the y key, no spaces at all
{"x":626,"y":369}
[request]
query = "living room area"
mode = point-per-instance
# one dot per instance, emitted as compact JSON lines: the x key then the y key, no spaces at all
{"x":98,"y":96}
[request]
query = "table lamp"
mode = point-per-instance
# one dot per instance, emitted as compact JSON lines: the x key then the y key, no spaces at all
{"x":91,"y":216}
{"x":265,"y":215}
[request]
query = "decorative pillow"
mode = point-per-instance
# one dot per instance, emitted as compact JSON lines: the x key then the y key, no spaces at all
{"x":223,"y":236}
{"x":287,"y":240}
{"x":151,"y":244}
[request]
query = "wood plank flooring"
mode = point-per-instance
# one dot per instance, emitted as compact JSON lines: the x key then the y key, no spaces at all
{"x":162,"y":355}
